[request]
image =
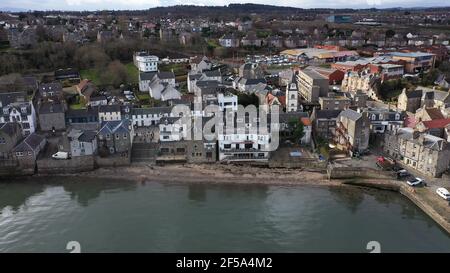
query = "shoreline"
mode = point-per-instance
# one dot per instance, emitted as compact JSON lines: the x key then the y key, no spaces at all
{"x":424,"y":198}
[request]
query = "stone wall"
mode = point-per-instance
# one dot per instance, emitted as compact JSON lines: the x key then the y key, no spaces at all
{"x":11,"y":167}
{"x":73,"y":165}
{"x":335,"y":172}
{"x":113,"y":160}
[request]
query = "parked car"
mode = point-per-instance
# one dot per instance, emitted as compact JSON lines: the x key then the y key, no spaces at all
{"x":61,"y":155}
{"x":415,"y":182}
{"x":402,"y":173}
{"x":444,"y":193}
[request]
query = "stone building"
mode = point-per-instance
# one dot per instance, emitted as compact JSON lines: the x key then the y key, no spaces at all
{"x":52,"y":116}
{"x":312,"y":85}
{"x":324,"y":123}
{"x":428,"y":154}
{"x":116,"y":136}
{"x":409,"y":101}
{"x":352,"y":131}
{"x":10,"y":135}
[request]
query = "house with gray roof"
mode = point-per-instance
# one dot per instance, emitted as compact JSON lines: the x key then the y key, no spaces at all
{"x":52,"y":90}
{"x":324,"y":123}
{"x":27,"y":151}
{"x":146,"y":78}
{"x":52,"y":116}
{"x":10,"y":135}
{"x":352,"y":131}
{"x":409,"y":101}
{"x":15,"y":107}
{"x":427,"y":154}
{"x":143,"y":117}
{"x":116,"y":136}
{"x":80,"y":142}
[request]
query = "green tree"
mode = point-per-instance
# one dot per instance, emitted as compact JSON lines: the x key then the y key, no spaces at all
{"x":297,"y":129}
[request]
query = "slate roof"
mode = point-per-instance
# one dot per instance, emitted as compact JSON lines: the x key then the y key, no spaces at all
{"x":327,"y":114}
{"x":109,"y":108}
{"x":151,"y":111}
{"x":115,"y":126}
{"x":30,"y":143}
{"x":87,"y":136}
{"x":414,"y":94}
{"x":10,"y":128}
{"x":50,"y":87}
{"x":147,"y":76}
{"x":351,"y":114}
{"x":49,"y":107}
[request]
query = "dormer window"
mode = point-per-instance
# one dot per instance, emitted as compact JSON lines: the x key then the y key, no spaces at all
{"x":23,"y":109}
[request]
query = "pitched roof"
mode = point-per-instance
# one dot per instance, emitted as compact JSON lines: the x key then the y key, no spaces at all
{"x":436,"y":123}
{"x":327,"y":114}
{"x":434,"y":113}
{"x":109,"y":108}
{"x":151,"y":111}
{"x":30,"y":143}
{"x":115,"y":126}
{"x":413,"y":94}
{"x":351,"y":114}
{"x":10,"y":128}
{"x":51,"y":107}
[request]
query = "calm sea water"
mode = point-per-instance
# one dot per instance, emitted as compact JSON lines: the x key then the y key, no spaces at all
{"x":42,"y":215}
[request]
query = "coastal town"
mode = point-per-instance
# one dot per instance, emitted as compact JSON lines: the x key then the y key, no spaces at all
{"x":357,"y":93}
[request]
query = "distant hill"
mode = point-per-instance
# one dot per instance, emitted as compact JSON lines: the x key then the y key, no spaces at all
{"x":10,"y":9}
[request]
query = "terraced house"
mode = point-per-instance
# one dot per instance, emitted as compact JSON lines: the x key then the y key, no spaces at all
{"x":15,"y":107}
{"x":428,"y":154}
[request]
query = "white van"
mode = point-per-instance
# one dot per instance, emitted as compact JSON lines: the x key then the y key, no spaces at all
{"x":61,"y":155}
{"x":444,"y":193}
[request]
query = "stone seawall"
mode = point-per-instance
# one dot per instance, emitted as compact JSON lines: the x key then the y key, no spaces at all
{"x":73,"y":165}
{"x":439,"y":212}
{"x":112,"y":161}
{"x":334,"y":172}
{"x":12,"y":167}
{"x":428,"y":208}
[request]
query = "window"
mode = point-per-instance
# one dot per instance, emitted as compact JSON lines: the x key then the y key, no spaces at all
{"x":108,"y":136}
{"x":117,"y":136}
{"x":227,"y":146}
{"x":125,"y":136}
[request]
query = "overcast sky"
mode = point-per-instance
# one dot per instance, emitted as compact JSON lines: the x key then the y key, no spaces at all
{"x":145,"y":4}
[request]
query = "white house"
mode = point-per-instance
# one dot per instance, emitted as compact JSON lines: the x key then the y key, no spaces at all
{"x":15,"y":108}
{"x":172,"y":129}
{"x":163,"y":91}
{"x":143,"y":117}
{"x":145,"y":62}
{"x":109,"y":113}
{"x":147,"y":78}
{"x":82,"y":142}
{"x":245,"y":144}
{"x":227,"y":101}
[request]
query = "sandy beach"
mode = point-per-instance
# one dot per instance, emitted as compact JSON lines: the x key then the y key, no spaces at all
{"x":212,"y":173}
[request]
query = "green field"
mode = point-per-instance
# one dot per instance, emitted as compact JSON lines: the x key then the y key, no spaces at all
{"x":133,"y":73}
{"x":93,"y":74}
{"x":178,"y":69}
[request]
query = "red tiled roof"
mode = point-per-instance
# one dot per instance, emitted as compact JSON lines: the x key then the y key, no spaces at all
{"x":282,"y":100}
{"x":306,"y":121}
{"x":434,"y":113}
{"x":436,"y":123}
